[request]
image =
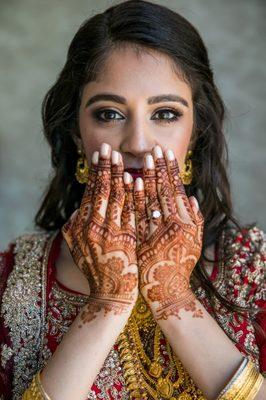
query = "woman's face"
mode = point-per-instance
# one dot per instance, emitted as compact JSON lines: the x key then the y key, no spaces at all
{"x":135,"y":119}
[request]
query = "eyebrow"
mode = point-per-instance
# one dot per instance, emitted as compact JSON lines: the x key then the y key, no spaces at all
{"x":151,"y":100}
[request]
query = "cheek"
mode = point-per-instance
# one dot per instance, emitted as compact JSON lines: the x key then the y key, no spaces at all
{"x":179,"y":141}
{"x":92,"y":139}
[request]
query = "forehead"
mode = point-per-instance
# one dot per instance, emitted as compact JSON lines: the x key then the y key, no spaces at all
{"x":131,"y":73}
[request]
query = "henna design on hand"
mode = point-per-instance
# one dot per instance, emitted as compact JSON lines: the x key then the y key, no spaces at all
{"x":101,"y":236}
{"x":169,"y":249}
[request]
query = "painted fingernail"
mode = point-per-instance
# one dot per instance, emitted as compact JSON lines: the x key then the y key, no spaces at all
{"x":158,"y":151}
{"x":139,"y":184}
{"x":104,"y":149}
{"x":127,"y":178}
{"x":115,"y":157}
{"x":149,"y":161}
{"x":170,"y":155}
{"x":95,"y":157}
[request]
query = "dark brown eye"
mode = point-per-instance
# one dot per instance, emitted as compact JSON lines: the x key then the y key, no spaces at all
{"x":108,"y":115}
{"x":163,"y":112}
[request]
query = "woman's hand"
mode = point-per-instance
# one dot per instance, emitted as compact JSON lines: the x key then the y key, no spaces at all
{"x":168,"y":247}
{"x":102,"y":239}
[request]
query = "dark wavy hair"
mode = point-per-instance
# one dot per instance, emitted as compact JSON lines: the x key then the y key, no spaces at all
{"x":144,"y":26}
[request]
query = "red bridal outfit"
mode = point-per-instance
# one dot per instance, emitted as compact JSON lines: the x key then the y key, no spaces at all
{"x":37,"y":310}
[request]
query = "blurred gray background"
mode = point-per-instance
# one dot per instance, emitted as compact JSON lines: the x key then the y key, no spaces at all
{"x":34,"y":37}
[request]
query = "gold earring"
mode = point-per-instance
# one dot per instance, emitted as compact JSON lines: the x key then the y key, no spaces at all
{"x":186,"y":174}
{"x":82,"y":169}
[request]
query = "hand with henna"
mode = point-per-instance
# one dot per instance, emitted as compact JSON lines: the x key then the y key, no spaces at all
{"x":168,"y":247}
{"x":101,"y":236}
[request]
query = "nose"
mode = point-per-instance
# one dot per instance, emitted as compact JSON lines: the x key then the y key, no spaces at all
{"x":135,"y":144}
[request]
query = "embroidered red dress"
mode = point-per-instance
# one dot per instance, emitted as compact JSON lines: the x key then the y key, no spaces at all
{"x":37,"y":310}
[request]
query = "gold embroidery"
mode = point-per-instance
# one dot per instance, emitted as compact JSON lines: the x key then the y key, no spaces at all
{"x":24,"y":313}
{"x":155,"y":379}
{"x":21,"y":309}
{"x":227,"y":279}
{"x":62,"y":307}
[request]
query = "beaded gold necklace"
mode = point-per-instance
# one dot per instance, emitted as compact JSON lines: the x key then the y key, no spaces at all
{"x":146,"y":375}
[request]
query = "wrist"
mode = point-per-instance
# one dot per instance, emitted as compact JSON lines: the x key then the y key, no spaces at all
{"x":174,"y":306}
{"x":103,"y":307}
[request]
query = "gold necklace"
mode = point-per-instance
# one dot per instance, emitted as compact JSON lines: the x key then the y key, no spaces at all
{"x":143,"y":376}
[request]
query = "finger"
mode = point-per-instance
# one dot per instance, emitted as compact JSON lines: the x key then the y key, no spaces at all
{"x":102,"y":185}
{"x":117,"y":193}
{"x":128,"y":212}
{"x":164,"y":188}
{"x":182,"y":202}
{"x":151,"y":196}
{"x":140,"y":211}
{"x":86,"y":202}
{"x":198,"y":217}
{"x":82,"y":214}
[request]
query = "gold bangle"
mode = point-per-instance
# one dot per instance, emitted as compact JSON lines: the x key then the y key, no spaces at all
{"x":250,"y":388}
{"x":35,"y":390}
{"x":244,"y":385}
{"x":255,"y":389}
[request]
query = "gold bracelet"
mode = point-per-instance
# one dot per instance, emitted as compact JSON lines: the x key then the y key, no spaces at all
{"x":250,"y":388}
{"x":245,"y":383}
{"x":36,"y":390}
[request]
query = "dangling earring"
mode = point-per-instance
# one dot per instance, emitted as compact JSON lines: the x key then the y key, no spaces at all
{"x":82,"y":169}
{"x":186,"y":174}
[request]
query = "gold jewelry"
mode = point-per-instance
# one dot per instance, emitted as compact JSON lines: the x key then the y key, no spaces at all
{"x":82,"y":169}
{"x":245,"y":383}
{"x":147,"y":377}
{"x":36,"y":390}
{"x":186,"y":174}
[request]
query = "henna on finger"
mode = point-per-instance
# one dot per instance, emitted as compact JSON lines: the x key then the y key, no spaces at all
{"x":180,"y":195}
{"x":151,"y":197}
{"x":86,"y":202}
{"x":128,"y":213}
{"x":79,"y":218}
{"x":117,"y":193}
{"x":102,"y":186}
{"x":164,"y":188}
{"x":142,"y":223}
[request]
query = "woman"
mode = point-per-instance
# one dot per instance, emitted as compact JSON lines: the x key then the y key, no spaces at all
{"x":168,"y":300}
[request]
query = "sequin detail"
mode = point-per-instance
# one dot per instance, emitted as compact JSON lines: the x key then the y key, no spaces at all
{"x":22,"y":311}
{"x":34,"y":321}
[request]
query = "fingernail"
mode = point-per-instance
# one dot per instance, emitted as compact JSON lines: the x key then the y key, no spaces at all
{"x":158,"y":151}
{"x":149,"y":161}
{"x":170,"y":155}
{"x":139,"y":184}
{"x":104,"y":149}
{"x":127,"y":178}
{"x":95,"y":157}
{"x":115,"y":157}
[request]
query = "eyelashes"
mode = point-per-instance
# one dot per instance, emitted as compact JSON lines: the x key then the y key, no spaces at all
{"x":97,"y":115}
